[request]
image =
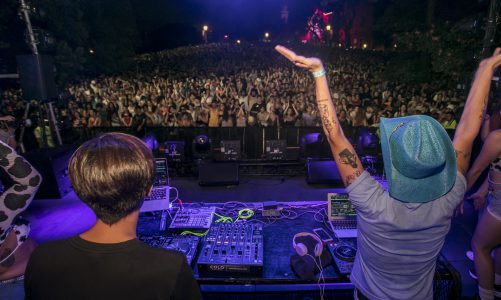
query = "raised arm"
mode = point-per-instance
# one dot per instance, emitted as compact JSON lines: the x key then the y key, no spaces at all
{"x":485,"y":129}
{"x":474,"y":109}
{"x":347,"y":160}
{"x":490,"y":151}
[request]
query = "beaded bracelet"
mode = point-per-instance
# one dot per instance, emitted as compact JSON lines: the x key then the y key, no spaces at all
{"x":319,"y":73}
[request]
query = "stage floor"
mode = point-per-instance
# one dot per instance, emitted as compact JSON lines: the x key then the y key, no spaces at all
{"x":59,"y":218}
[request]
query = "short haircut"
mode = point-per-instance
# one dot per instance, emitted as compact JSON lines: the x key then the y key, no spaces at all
{"x":112,"y":174}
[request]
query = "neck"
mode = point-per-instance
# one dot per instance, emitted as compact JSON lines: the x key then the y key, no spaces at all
{"x":122,"y":231}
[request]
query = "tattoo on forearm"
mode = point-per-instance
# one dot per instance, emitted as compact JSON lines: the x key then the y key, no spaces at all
{"x":465,"y":155}
{"x":9,"y":262}
{"x":324,"y":114}
{"x":322,"y":100}
{"x":348,"y":158}
{"x":351,"y":178}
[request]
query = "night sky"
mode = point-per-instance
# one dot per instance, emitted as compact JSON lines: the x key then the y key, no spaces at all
{"x":249,"y":19}
{"x":238,"y":18}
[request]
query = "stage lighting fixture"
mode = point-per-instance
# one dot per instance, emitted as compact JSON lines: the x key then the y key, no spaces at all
{"x":206,"y":28}
{"x":202,"y":139}
{"x":202,"y":146}
{"x":365,"y":46}
{"x":313,"y":145}
{"x":368,"y":149}
{"x":328,"y":27}
{"x":339,"y":45}
{"x":238,"y":41}
{"x":91,"y":51}
{"x":395,"y":46}
{"x":266,"y":35}
{"x":225,"y":36}
{"x":151,"y":141}
{"x":367,"y":142}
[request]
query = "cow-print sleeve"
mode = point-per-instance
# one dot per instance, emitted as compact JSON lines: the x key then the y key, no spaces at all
{"x":26,"y":182}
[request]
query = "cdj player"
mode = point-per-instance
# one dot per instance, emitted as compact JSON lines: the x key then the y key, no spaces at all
{"x":343,"y":254}
{"x":185,"y":244}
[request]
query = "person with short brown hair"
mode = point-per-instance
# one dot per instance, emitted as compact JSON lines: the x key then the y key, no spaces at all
{"x":111,"y":174}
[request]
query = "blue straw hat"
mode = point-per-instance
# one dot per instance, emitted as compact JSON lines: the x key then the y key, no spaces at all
{"x":419,"y":159}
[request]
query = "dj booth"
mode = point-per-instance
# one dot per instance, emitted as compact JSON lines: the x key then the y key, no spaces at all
{"x":246,"y":250}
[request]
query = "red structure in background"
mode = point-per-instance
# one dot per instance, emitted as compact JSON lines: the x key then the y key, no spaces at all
{"x":316,"y":27}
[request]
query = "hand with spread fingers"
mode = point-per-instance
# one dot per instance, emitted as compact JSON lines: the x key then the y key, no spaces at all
{"x":313,"y":64}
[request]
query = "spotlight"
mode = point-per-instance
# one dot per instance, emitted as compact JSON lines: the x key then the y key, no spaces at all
{"x":225,"y":36}
{"x":151,"y":141}
{"x":395,"y":46}
{"x":364,"y":46}
{"x":205,"y":28}
{"x":328,"y":27}
{"x":201,"y":139}
{"x":368,"y":149}
{"x":91,"y":51}
{"x":367,"y":142}
{"x":266,"y":35}
{"x":312,"y":145}
{"x":238,"y":41}
{"x":202,"y":146}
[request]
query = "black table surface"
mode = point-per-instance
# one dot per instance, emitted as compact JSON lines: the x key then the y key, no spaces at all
{"x":278,"y":247}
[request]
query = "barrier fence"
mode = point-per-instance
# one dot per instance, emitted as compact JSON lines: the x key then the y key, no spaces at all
{"x":303,"y":141}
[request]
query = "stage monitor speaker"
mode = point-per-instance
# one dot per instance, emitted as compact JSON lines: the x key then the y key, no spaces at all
{"x":174,"y":151}
{"x":323,"y":172}
{"x":36,"y":73}
{"x":275,"y":149}
{"x":230,"y":150}
{"x":222,"y":173}
{"x":52,"y":163}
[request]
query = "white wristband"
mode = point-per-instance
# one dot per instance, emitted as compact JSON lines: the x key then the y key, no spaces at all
{"x":319,"y":73}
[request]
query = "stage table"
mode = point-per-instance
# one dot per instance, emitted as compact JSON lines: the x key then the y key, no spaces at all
{"x":279,"y":280}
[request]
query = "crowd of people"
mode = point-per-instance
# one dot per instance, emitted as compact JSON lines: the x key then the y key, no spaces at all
{"x":220,"y":85}
{"x":401,"y":230}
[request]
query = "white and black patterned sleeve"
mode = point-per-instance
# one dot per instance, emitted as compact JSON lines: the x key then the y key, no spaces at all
{"x":26,"y":182}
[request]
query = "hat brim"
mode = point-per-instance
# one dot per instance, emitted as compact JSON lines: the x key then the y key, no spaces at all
{"x":413,"y":190}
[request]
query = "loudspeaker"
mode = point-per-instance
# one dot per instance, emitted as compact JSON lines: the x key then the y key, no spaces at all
{"x":52,"y":163}
{"x":36,"y":73}
{"x":223,"y":173}
{"x":174,"y":151}
{"x":323,"y":171}
{"x":230,"y":150}
{"x":276,"y":149}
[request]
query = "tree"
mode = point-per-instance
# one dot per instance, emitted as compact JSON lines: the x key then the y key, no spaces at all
{"x":446,"y":42}
{"x":63,"y":19}
{"x":113,"y":35}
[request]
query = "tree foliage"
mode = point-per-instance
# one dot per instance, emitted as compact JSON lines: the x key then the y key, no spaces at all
{"x":447,"y":46}
{"x":451,"y":49}
{"x":108,"y":27}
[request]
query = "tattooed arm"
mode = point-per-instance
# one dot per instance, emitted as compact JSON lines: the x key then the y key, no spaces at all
{"x":474,"y":109}
{"x":347,"y":160}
